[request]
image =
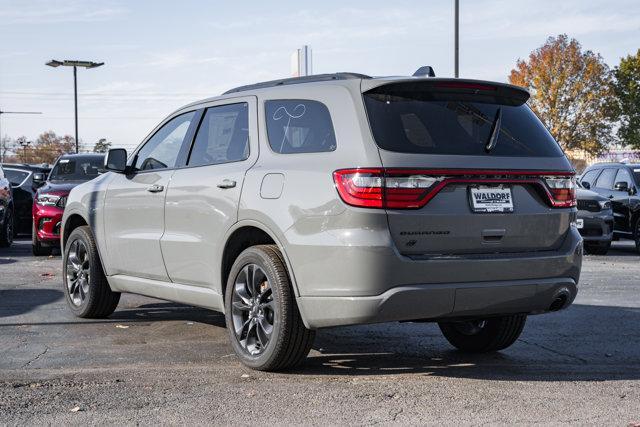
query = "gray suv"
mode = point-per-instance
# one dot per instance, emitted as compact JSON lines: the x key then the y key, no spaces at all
{"x":331,"y":200}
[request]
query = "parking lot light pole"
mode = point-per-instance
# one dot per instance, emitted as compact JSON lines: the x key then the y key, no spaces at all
{"x":456,"y":30}
{"x":75,"y":64}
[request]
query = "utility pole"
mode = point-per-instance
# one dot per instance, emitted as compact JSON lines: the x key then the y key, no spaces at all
{"x":2,"y":147}
{"x":456,"y":30}
{"x":75,"y":64}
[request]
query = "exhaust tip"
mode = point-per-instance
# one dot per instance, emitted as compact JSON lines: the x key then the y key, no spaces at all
{"x":560,"y":300}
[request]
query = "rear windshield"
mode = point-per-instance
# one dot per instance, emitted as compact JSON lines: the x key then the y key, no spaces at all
{"x":426,"y":122}
{"x":79,"y":169}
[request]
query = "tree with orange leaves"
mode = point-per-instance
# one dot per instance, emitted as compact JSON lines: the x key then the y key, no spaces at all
{"x":571,"y":92}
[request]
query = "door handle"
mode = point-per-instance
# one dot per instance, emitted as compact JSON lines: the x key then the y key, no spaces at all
{"x":155,"y":188}
{"x":227,"y":183}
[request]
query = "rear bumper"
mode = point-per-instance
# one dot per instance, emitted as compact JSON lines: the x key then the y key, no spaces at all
{"x":47,"y":221}
{"x":369,"y":281}
{"x":440,"y":302}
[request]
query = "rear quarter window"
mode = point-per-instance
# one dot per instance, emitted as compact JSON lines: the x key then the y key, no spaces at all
{"x":299,"y":126}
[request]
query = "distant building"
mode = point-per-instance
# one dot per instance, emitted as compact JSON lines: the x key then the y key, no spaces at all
{"x":302,"y":62}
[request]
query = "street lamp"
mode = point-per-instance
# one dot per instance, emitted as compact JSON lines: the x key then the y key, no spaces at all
{"x":24,"y":144}
{"x":75,"y":64}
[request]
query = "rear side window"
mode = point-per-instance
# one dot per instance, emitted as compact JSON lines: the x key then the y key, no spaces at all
{"x":605,"y":180}
{"x":299,"y":126}
{"x":428,"y":122}
{"x":590,"y":177}
{"x":223,"y":136}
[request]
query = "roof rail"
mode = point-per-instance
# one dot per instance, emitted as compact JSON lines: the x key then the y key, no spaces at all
{"x":298,"y":80}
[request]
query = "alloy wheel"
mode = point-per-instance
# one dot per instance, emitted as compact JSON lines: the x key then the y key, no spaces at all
{"x":252,"y":309}
{"x":78,"y":272}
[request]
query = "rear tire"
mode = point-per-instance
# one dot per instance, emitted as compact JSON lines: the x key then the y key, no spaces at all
{"x":6,"y":233}
{"x":264,"y":323}
{"x":36,"y":247}
{"x":85,"y":286}
{"x":484,"y":335}
{"x":636,"y":235}
{"x":596,"y":248}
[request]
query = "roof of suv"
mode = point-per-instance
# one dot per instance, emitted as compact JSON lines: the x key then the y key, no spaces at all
{"x":619,"y":164}
{"x":348,"y":78}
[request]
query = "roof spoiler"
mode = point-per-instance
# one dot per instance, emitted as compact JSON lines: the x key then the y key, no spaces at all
{"x":461,"y":88}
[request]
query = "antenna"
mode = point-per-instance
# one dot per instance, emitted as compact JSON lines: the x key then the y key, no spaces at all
{"x":2,"y":147}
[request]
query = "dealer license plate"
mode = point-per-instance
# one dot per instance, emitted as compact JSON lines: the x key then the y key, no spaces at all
{"x":491,"y":199}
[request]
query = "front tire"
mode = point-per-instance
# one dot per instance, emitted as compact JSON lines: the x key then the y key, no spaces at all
{"x":637,"y":235}
{"x":264,"y":323}
{"x":86,"y":289}
{"x":597,"y":249}
{"x":6,"y":233}
{"x":36,"y":247}
{"x":484,"y":335}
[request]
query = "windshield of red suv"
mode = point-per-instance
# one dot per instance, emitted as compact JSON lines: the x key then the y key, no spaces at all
{"x":77,"y":169}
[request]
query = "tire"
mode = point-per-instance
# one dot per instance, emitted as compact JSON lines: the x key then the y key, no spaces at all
{"x":596,"y":248}
{"x":268,"y":305}
{"x":6,"y":233}
{"x":484,"y":335}
{"x":36,"y":247}
{"x":636,"y":235}
{"x":89,"y":295}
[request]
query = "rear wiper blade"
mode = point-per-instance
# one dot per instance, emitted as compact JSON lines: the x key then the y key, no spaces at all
{"x":495,"y":131}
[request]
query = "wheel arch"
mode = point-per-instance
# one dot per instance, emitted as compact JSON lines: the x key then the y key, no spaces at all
{"x":248,"y":233}
{"x":72,"y":222}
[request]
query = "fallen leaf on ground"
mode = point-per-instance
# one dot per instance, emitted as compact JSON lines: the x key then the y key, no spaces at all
{"x":76,"y":409}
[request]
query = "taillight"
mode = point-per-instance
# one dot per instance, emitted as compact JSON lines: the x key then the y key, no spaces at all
{"x":360,"y":187}
{"x":563,"y":191}
{"x":380,"y":188}
{"x":412,"y":189}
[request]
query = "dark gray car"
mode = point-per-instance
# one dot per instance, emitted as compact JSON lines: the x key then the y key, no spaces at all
{"x":335,"y":199}
{"x":595,"y":221}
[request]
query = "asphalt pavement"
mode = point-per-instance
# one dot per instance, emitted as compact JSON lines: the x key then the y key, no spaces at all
{"x":155,"y":362}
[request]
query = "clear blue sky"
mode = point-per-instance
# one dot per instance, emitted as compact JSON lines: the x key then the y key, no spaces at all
{"x":160,"y":55}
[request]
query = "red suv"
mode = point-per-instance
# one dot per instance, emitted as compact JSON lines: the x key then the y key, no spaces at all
{"x":50,"y":200}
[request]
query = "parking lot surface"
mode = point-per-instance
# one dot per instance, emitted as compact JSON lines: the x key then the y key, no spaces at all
{"x":158,"y":362}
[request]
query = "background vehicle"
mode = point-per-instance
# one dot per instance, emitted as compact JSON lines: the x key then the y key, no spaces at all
{"x":50,"y":199}
{"x":25,"y":181}
{"x":363,"y":200}
{"x":595,"y":221}
{"x":618,"y":182}
{"x":6,"y":211}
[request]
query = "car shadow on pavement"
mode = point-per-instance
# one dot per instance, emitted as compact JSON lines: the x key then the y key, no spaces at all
{"x":18,"y":301}
{"x":583,"y":343}
{"x":162,"y":311}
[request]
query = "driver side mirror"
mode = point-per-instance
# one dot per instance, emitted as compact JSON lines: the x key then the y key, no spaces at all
{"x":39,"y":178}
{"x":585,"y":185}
{"x":116,"y":160}
{"x":621,"y":186}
